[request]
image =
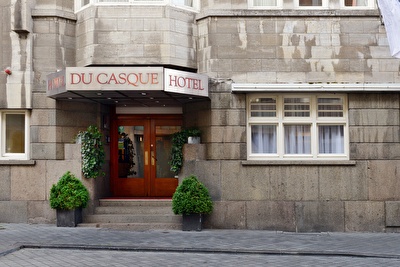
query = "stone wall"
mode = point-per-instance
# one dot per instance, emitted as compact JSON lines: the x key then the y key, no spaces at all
{"x":257,"y":48}
{"x":135,"y":35}
{"x":359,"y":195}
{"x":40,"y":39}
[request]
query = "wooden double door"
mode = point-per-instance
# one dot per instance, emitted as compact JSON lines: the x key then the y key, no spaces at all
{"x":140,"y":154}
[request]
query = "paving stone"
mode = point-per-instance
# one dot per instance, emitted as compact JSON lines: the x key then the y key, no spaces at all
{"x":48,"y":245}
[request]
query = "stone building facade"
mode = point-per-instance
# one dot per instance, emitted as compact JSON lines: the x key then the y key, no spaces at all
{"x":274,"y":69}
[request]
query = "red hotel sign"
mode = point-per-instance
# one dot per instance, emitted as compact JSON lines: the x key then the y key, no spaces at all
{"x":127,"y":79}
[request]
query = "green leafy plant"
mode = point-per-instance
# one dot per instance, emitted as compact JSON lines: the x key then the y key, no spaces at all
{"x":92,"y":150}
{"x":69,"y":193}
{"x":178,"y":140}
{"x":193,"y":132}
{"x":191,"y":197}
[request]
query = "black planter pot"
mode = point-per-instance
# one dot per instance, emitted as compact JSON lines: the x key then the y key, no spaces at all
{"x":69,"y":218}
{"x":192,"y":222}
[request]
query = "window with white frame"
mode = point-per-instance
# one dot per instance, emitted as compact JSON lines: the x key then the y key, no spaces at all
{"x":191,"y":4}
{"x":267,"y":4}
{"x":14,"y":134}
{"x":297,"y":127}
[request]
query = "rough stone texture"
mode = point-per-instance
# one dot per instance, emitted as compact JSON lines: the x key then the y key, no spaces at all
{"x":227,"y":214}
{"x":310,"y":46}
{"x":13,"y":211}
{"x":384,"y":179}
{"x":344,"y":183}
{"x":365,"y":151}
{"x":240,"y":184}
{"x":43,"y":151}
{"x":270,"y":215}
{"x":161,"y":35}
{"x":194,"y":152}
{"x":375,"y":134}
{"x":321,"y":216}
{"x":40,"y":212}
{"x":293,"y":183}
{"x":28,"y":183}
{"x":5,"y":183}
{"x":392,"y":210}
{"x":73,"y":152}
{"x":364,"y":216}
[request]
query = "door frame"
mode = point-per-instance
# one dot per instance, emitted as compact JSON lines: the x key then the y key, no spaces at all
{"x":145,"y":187}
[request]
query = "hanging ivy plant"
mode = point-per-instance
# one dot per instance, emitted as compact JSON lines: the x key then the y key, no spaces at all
{"x":178,"y":140}
{"x":92,"y":150}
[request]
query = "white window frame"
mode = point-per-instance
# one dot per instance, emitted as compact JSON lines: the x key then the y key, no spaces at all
{"x":295,"y":4}
{"x":325,"y":5}
{"x":279,"y":5}
{"x":79,"y":5}
{"x":280,"y":121}
{"x":13,"y":156}
{"x":371,"y":5}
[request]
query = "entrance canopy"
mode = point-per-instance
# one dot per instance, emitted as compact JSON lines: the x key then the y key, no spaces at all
{"x":128,"y":86}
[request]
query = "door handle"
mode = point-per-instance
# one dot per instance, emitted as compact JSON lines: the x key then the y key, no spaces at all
{"x":146,"y":158}
{"x":153,"y":159}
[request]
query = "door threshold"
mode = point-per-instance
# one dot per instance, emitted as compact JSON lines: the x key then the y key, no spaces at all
{"x":136,"y":198}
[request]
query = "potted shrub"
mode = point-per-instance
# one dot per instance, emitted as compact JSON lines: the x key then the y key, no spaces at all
{"x":193,"y":135}
{"x":192,"y":200}
{"x":68,"y":197}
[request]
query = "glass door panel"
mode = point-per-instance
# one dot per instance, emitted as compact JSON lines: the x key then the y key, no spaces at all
{"x":163,"y":150}
{"x":131,"y":151}
{"x":140,"y":155}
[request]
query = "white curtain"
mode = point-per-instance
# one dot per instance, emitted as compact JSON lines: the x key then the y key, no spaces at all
{"x":183,"y":2}
{"x":263,"y":139}
{"x":297,"y":139}
{"x":264,"y":2}
{"x":331,"y":139}
{"x":360,"y":2}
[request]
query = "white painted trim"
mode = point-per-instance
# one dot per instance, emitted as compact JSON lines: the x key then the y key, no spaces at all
{"x":280,"y":121}
{"x":319,"y":87}
{"x":14,"y":156}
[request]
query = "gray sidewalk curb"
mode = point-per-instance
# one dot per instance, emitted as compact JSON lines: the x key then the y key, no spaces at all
{"x":202,"y":250}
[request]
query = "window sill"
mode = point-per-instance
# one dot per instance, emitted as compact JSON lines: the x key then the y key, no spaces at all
{"x":13,"y":162}
{"x":290,"y":12}
{"x":299,"y":163}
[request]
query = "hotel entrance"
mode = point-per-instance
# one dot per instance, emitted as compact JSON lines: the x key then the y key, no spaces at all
{"x":140,"y":154}
{"x":140,"y":140}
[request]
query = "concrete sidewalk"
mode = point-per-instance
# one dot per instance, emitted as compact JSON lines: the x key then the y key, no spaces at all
{"x":380,"y":245}
{"x":373,"y":246}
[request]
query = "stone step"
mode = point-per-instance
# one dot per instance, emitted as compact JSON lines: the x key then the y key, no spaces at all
{"x":167,"y":210}
{"x":135,"y":214}
{"x":135,"y":226}
{"x":135,"y":202}
{"x":129,"y":218}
